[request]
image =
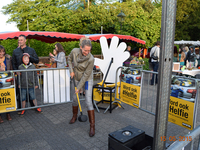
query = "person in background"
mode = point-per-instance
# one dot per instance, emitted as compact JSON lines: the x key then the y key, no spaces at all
{"x":181,"y":57}
{"x":127,"y":62}
{"x":5,"y":65}
{"x":83,"y":63}
{"x":60,"y":59}
{"x":156,"y":52}
{"x":175,"y":54}
{"x":191,"y":55}
{"x":28,"y":83}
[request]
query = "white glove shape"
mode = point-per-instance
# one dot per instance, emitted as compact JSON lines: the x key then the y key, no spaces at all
{"x":116,"y":52}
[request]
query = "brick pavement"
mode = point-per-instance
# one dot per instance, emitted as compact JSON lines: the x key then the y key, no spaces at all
{"x":51,"y":131}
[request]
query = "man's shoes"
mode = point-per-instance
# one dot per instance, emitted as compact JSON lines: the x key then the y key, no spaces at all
{"x":22,"y":113}
{"x":39,"y":110}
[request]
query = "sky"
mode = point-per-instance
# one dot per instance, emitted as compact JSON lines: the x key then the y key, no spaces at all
{"x":5,"y":27}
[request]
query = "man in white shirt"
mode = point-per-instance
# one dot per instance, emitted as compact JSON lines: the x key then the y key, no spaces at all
{"x":156,"y":52}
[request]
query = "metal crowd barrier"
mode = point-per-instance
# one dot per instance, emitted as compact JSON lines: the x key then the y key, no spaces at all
{"x":177,"y":145}
{"x":46,"y":95}
{"x":148,"y":104}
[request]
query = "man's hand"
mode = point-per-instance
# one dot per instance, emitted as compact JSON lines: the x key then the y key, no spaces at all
{"x":116,"y":52}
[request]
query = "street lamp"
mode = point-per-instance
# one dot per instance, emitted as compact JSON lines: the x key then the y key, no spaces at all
{"x":121,"y":16}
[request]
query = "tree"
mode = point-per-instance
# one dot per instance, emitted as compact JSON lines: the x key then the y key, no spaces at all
{"x":187,"y":20}
{"x":143,"y":19}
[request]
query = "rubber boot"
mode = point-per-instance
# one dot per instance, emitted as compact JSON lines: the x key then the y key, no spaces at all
{"x":8,"y":117}
{"x":75,"y":112}
{"x":1,"y":120}
{"x":92,"y":122}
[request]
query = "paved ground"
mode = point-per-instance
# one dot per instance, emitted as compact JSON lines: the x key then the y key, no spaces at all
{"x":51,"y":131}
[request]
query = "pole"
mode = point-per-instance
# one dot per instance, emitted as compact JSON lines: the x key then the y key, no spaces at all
{"x":101,"y":29}
{"x":165,"y":72}
{"x":27,"y":25}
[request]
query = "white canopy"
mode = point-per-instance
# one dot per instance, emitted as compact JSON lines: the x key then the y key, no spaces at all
{"x":187,"y":42}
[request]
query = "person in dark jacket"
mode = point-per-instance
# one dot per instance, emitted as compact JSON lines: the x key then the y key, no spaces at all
{"x":127,"y":62}
{"x":18,"y":52}
{"x":27,"y":82}
{"x":191,"y":55}
{"x":16,"y":59}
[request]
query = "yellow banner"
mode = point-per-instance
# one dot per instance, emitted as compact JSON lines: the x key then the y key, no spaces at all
{"x":97,"y":95}
{"x":181,"y":112}
{"x":130,"y":94}
{"x":7,"y":100}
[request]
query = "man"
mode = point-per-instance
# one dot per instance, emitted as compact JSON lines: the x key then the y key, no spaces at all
{"x":21,"y":50}
{"x":156,"y":52}
{"x":127,"y":62}
{"x":191,"y":55}
{"x":18,"y":53}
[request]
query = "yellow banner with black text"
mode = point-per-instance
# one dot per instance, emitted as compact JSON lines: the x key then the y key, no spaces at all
{"x":181,"y":112}
{"x":7,"y":100}
{"x":130,"y":94}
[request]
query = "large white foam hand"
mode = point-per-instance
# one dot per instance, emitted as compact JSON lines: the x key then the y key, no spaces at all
{"x":114,"y":51}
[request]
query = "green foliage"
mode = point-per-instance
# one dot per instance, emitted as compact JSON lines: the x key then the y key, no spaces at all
{"x":143,"y":19}
{"x":146,"y":64}
{"x":43,"y":49}
{"x":187,"y":20}
{"x":9,"y":45}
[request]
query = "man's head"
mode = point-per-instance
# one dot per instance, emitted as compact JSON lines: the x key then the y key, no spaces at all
{"x":128,"y":48}
{"x":22,"y":41}
{"x":85,"y":46}
{"x":157,"y":43}
{"x":25,"y":59}
{"x":192,"y":49}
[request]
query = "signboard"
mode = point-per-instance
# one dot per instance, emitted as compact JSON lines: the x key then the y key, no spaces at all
{"x":182,"y":102}
{"x":97,"y":94}
{"x":7,"y":92}
{"x":130,"y":94}
{"x":181,"y":112}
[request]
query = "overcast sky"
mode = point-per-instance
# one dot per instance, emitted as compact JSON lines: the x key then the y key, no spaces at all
{"x":4,"y":27}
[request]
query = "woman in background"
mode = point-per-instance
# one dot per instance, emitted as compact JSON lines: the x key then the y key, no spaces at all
{"x":5,"y":64}
{"x":181,"y":57}
{"x":60,"y":59}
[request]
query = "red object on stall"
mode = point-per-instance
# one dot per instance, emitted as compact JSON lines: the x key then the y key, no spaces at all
{"x":44,"y":36}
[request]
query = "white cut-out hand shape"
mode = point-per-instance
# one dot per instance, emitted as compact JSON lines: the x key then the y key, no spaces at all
{"x":114,"y":51}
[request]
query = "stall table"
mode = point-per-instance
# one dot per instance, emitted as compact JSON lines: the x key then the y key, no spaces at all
{"x":192,"y":72}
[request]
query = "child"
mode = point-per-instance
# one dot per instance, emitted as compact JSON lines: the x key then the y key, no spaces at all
{"x":28,"y":80}
{"x":129,"y":78}
{"x":176,"y":88}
